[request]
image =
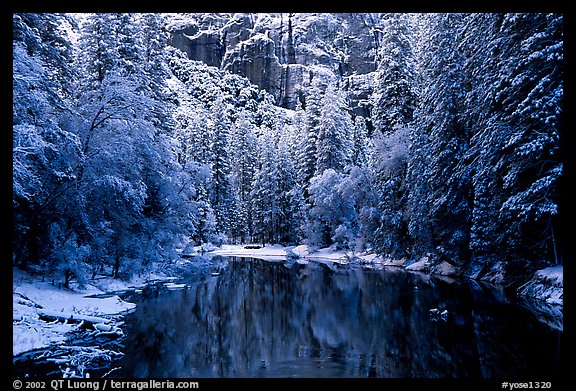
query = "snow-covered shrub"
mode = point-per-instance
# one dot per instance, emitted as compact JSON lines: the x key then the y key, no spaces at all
{"x":344,"y":237}
{"x":333,"y":218}
{"x":67,"y":257}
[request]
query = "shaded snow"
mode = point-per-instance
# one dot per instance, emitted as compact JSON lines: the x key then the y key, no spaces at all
{"x":31,"y":295}
{"x":553,"y":272}
{"x":394,"y":262}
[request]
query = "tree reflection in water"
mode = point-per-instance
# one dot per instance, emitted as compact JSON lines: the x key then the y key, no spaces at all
{"x":264,"y":319}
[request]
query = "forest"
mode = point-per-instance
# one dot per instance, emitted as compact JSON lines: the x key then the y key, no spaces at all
{"x":126,"y":150}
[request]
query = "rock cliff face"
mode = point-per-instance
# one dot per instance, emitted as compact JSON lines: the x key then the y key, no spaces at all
{"x":281,"y":53}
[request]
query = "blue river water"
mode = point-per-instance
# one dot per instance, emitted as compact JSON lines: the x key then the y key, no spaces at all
{"x":257,"y":318}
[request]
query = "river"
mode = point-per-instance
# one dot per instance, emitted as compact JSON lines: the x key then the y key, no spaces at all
{"x":258,"y":318}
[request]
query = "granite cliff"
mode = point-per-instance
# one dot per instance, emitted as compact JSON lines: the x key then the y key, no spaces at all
{"x":282,"y":53}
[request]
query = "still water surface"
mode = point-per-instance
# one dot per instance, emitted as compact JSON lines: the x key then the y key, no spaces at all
{"x":266,"y":319}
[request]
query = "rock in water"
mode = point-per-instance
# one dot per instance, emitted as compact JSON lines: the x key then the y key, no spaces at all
{"x":436,"y":315}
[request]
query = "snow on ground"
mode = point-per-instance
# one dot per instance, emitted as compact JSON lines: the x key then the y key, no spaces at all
{"x":31,"y":295}
{"x":272,"y":251}
{"x":277,"y":251}
{"x":331,"y":254}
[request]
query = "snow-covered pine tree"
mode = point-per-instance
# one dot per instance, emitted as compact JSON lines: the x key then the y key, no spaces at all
{"x":293,"y":138}
{"x":128,"y":44}
{"x":393,"y":103}
{"x":480,"y":66}
{"x":439,"y":120}
{"x":309,"y":135}
{"x":438,"y":200}
{"x":97,"y":44}
{"x":276,"y":200}
{"x":299,"y":134}
{"x":334,"y":142}
{"x":243,"y":152}
{"x":155,"y":60}
{"x":221,"y":196}
{"x":387,"y":174}
{"x":265,"y":191}
{"x":394,"y":98}
{"x":362,"y":145}
{"x":154,"y":40}
{"x":290,"y":202}
{"x":516,"y":141}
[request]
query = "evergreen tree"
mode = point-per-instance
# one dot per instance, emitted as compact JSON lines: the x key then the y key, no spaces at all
{"x":333,"y":143}
{"x":361,"y":148}
{"x":300,"y":132}
{"x":288,"y":193}
{"x":393,"y":104}
{"x":388,"y":178}
{"x":243,"y":153}
{"x":394,"y":97}
{"x":155,"y":70}
{"x":221,"y":191}
{"x":264,"y":193}
{"x":515,"y":142}
{"x":440,"y":207}
{"x":308,"y":148}
{"x":98,"y":45}
{"x":154,"y":40}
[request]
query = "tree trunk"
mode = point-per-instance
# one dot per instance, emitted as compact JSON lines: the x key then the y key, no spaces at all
{"x":67,"y":277}
{"x":554,"y":244}
{"x":116,"y":270}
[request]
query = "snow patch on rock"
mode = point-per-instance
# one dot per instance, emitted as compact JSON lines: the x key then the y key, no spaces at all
{"x":444,"y":269}
{"x":546,"y":284}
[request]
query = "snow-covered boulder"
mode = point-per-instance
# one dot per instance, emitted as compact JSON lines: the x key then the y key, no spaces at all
{"x":546,"y":284}
{"x":301,"y":251}
{"x":428,"y":264}
{"x":393,"y":261}
{"x":423,"y":264}
{"x":444,"y":269}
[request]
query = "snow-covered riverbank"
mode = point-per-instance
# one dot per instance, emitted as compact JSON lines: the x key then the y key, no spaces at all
{"x":546,"y":285}
{"x":302,"y":253}
{"x":34,"y":297}
{"x":40,"y":307}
